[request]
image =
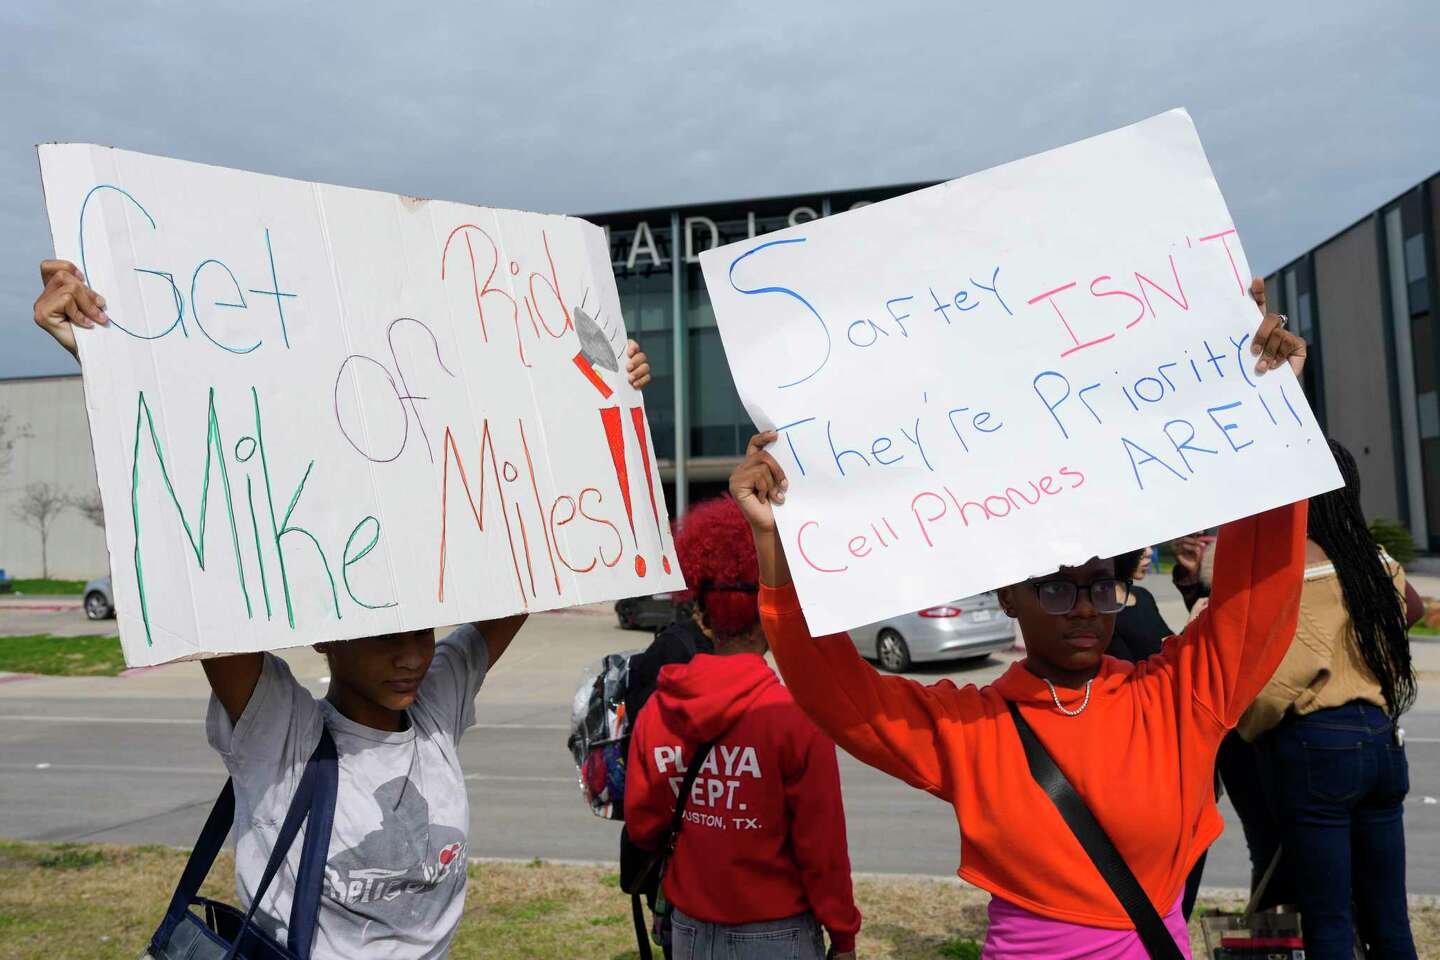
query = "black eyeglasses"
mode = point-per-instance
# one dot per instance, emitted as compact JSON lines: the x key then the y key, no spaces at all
{"x":1058,"y":597}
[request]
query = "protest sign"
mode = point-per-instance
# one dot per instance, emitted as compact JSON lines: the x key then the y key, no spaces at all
{"x":322,"y":413}
{"x":987,"y":379}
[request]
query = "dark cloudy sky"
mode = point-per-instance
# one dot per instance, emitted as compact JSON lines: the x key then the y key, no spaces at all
{"x":1313,"y":113}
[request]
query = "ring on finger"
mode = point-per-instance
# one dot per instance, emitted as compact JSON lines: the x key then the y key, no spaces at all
{"x":1284,"y":320}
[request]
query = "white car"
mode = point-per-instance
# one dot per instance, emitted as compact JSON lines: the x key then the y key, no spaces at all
{"x":972,"y":628}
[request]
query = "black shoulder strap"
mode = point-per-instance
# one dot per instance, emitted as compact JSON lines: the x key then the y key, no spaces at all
{"x":691,"y":772}
{"x":1113,"y":868}
{"x":642,"y":941}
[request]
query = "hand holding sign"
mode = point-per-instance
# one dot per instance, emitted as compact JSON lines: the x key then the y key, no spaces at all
{"x":322,"y":413}
{"x":1272,"y":343}
{"x":965,"y":381}
{"x":759,"y":482}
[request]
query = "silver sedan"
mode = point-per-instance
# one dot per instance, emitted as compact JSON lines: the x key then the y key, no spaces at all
{"x":974,"y":627}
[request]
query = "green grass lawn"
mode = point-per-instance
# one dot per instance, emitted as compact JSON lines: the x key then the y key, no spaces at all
{"x":50,"y":587}
{"x":90,"y":900}
{"x":62,"y":656}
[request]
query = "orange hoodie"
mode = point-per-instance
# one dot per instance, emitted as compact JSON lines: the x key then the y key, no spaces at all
{"x":764,"y":833}
{"x":1142,"y":755}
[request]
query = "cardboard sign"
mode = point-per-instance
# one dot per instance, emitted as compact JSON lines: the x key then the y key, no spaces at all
{"x":322,"y":413}
{"x":985,"y":380}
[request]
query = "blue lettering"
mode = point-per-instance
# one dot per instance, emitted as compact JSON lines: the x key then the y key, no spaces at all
{"x":1225,"y":428}
{"x":1184,"y":445}
{"x":994,"y":283}
{"x":756,"y":291}
{"x":1135,"y":465}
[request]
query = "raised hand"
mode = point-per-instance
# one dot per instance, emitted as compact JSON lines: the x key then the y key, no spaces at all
{"x":67,"y":303}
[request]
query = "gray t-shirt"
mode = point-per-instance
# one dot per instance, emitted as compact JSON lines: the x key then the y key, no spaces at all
{"x":395,"y":876}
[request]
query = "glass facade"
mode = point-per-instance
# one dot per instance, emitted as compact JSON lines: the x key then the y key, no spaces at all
{"x":644,"y":247}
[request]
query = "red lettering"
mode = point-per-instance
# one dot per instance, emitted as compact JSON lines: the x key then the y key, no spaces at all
{"x":544,"y":527}
{"x":613,"y":529}
{"x":1181,"y":301}
{"x":553,"y":282}
{"x":554,"y":524}
{"x":1076,"y":474}
{"x":800,"y":544}
{"x":921,"y":521}
{"x":990,"y":512}
{"x":1140,"y":304}
{"x":1047,"y":484}
{"x":1234,"y":269}
{"x":858,"y":548}
{"x":1049,"y":295}
{"x":483,"y":290}
{"x":486,"y":443}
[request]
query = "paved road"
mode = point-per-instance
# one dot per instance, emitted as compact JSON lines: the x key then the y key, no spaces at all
{"x":125,"y":760}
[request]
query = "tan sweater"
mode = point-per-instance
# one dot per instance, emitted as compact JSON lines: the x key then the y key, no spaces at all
{"x":1323,"y":667}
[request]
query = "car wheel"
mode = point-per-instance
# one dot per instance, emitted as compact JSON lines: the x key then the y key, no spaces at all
{"x":96,"y":606}
{"x":626,"y":618}
{"x":891,"y":651}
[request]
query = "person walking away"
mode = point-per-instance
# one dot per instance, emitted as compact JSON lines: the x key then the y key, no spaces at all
{"x":1326,"y":725}
{"x":761,"y":864}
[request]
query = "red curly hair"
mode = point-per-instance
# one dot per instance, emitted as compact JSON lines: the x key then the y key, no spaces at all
{"x":714,"y":546}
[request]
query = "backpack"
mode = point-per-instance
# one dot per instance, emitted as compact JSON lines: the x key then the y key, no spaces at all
{"x":605,"y":706}
{"x":600,"y":735}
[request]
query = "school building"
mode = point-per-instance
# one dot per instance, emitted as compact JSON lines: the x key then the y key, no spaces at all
{"x":1363,"y":298}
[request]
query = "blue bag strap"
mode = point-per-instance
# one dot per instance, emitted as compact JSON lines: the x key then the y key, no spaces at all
{"x":315,"y":849}
{"x":300,"y":806}
{"x":212,"y":838}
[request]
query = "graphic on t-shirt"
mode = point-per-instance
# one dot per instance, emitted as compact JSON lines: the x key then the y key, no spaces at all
{"x":389,"y":872}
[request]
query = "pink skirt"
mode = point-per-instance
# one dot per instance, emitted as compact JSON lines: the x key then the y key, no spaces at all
{"x":1017,"y":934}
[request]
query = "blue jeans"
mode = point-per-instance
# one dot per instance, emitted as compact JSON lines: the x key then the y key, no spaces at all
{"x":794,"y":938}
{"x":1337,"y":779}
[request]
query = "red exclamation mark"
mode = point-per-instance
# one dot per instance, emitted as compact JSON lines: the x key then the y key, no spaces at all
{"x":615,"y":437}
{"x":637,"y":419}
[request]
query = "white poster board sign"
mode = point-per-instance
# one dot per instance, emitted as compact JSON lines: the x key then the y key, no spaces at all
{"x":990,"y":378}
{"x":323,"y":413}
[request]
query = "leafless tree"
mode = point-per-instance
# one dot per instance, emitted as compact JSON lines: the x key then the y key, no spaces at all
{"x":39,"y":505}
{"x":10,"y":434}
{"x":90,"y":508}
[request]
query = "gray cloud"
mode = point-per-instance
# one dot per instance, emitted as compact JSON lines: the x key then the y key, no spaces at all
{"x":1312,"y":113}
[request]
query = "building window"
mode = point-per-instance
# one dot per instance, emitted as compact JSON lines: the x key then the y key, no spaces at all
{"x":646,"y":299}
{"x":1416,"y":276}
{"x":719,"y":425}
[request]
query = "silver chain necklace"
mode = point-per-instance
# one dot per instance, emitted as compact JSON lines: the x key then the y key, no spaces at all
{"x":1061,"y":707}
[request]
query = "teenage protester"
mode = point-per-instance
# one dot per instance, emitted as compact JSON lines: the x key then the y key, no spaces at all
{"x":761,"y":864}
{"x":396,"y":707}
{"x":1140,"y":630}
{"x":1332,"y":756}
{"x":1128,"y":738}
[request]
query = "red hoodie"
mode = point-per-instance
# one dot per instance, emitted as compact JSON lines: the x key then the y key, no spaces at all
{"x":764,"y":834}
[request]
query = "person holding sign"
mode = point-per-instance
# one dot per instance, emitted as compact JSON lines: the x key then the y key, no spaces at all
{"x":396,"y":708}
{"x":1127,"y":737}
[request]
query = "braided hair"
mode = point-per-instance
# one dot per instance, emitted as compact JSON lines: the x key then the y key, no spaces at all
{"x":1377,"y":612}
